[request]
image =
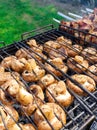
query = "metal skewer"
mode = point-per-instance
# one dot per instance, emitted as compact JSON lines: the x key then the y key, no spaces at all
{"x":75,"y":15}
{"x":66,"y":17}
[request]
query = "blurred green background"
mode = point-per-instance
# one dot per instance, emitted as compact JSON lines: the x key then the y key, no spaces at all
{"x":19,"y":16}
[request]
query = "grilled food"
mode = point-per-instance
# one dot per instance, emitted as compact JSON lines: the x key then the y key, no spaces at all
{"x":92,"y":71}
{"x":46,"y":80}
{"x":74,"y":50}
{"x":58,"y":63}
{"x":33,"y":75}
{"x":7,"y":113}
{"x":78,"y":64}
{"x":90,"y":54}
{"x":21,"y":126}
{"x":60,"y":93}
{"x":87,"y":83}
{"x":49,"y":110}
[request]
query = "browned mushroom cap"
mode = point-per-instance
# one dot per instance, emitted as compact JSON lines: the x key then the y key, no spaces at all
{"x":64,"y":41}
{"x":35,"y":75}
{"x":61,"y":94}
{"x":37,"y":91}
{"x":93,"y":71}
{"x":16,"y":127}
{"x":29,"y":65}
{"x":51,"y":44}
{"x":74,"y":50}
{"x":39,"y":56}
{"x":78,"y":63}
{"x":11,"y":86}
{"x":30,"y":108}
{"x":28,"y":127}
{"x":32,"y":42}
{"x":21,"y":54}
{"x":6,"y":111}
{"x":35,"y":46}
{"x":2,"y":69}
{"x":18,"y":65}
{"x":87,"y":82}
{"x":6,"y":62}
{"x":24,"y":97}
{"x":5,"y":77}
{"x":46,"y":80}
{"x":49,"y":110}
{"x":15,"y":75}
{"x":59,"y":64}
{"x":91,"y":54}
{"x":59,"y":53}
{"x":5,"y":98}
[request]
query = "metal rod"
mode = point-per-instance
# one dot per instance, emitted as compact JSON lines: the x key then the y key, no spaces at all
{"x":36,"y":30}
{"x":65,"y":16}
{"x":83,"y":11}
{"x":89,"y":10}
{"x":56,"y":20}
{"x":75,"y":15}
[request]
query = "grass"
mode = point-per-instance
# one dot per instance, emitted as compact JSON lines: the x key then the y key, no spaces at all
{"x":19,"y":16}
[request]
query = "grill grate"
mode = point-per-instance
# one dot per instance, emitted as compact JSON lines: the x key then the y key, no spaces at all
{"x":80,"y":113}
{"x":81,"y":37}
{"x":73,"y":119}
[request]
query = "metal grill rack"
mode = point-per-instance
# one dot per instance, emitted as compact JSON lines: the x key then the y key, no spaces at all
{"x":81,"y":37}
{"x":81,"y":112}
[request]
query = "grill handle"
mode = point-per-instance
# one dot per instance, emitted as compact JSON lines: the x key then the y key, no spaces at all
{"x":2,"y":43}
{"x":26,"y":34}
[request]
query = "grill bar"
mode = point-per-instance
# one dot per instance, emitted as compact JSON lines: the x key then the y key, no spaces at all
{"x":37,"y":30}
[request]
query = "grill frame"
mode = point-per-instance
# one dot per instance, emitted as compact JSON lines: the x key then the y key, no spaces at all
{"x":21,"y":44}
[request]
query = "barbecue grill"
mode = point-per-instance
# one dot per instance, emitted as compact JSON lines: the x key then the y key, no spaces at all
{"x":82,"y":111}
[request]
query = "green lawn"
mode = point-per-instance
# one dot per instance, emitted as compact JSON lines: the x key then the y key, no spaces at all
{"x":18,"y":16}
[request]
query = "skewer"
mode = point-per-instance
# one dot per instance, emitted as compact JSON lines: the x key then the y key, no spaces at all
{"x":66,"y":17}
{"x":75,"y":15}
{"x":89,"y":10}
{"x":56,"y":20}
{"x":83,"y":11}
